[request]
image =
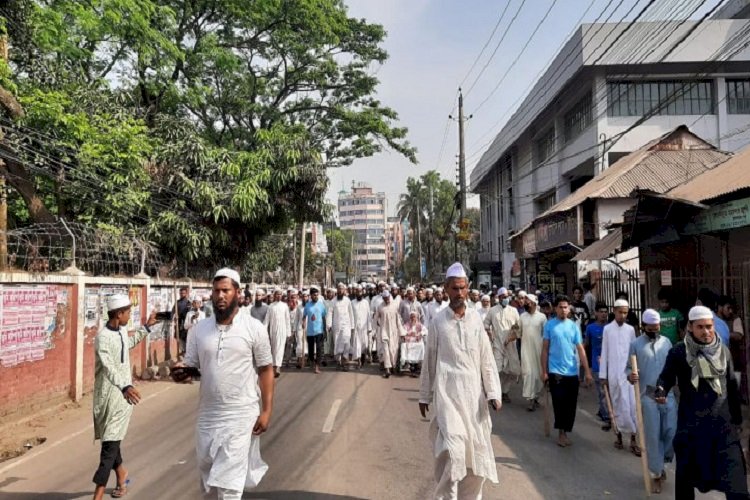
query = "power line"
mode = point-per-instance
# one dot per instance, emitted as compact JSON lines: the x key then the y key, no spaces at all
{"x":484,"y":47}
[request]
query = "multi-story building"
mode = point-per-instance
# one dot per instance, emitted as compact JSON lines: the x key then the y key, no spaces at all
{"x":396,"y":248}
{"x":317,"y":237}
{"x":611,"y":89}
{"x":364,"y":212}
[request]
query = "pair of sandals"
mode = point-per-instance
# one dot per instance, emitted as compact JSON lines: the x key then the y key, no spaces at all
{"x":634,"y":448}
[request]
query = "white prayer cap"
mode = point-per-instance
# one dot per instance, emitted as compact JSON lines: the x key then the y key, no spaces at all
{"x":277,"y":290}
{"x":381,"y":283}
{"x":394,"y":287}
{"x":292,"y":290}
{"x":194,"y":297}
{"x":532,"y":298}
{"x":456,"y":271}
{"x":439,"y":289}
{"x":651,"y":317}
{"x":621,"y":303}
{"x":700,"y":312}
{"x":358,"y":287}
{"x":305,"y":292}
{"x":474,"y":290}
{"x":228,"y":273}
{"x":410,"y":289}
{"x":521,"y":294}
{"x":386,"y":294}
{"x":485,"y":297}
{"x":117,"y":301}
{"x":314,"y":288}
{"x":502,"y":291}
{"x":260,"y":291}
{"x":340,"y":285}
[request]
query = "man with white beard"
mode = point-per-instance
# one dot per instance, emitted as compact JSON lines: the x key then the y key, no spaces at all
{"x":279,"y":327}
{"x":460,"y":378}
{"x":342,"y":318}
{"x":362,"y":326}
{"x":232,"y":351}
{"x":501,"y":323}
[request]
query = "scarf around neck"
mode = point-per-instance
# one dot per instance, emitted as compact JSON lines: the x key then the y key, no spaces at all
{"x":707,"y":361}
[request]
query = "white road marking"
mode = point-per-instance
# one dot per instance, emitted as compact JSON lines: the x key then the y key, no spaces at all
{"x":328,"y":425}
{"x":588,"y":415}
{"x":43,"y":449}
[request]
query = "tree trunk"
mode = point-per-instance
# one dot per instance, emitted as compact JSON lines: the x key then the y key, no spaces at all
{"x":23,"y":182}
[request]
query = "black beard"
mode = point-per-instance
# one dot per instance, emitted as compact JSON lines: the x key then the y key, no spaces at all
{"x":226,"y":313}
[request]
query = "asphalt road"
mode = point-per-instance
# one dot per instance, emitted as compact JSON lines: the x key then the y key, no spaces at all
{"x":377,"y":448}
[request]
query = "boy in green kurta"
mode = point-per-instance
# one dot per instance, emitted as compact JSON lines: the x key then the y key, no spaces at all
{"x":114,"y":393}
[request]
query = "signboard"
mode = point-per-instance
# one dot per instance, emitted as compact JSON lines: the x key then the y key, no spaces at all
{"x":548,"y":282}
{"x":557,"y":230}
{"x":722,"y":217}
{"x":666,"y":277}
{"x":528,"y":242}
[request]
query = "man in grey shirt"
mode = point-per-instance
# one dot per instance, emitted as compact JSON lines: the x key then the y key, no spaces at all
{"x":260,"y":308}
{"x":410,"y":304}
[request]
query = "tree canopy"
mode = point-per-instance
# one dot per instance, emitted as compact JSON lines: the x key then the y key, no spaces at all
{"x":203,"y":125}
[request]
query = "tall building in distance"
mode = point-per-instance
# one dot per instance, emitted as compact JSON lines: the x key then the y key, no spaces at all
{"x":396,"y":248}
{"x":364,"y":212}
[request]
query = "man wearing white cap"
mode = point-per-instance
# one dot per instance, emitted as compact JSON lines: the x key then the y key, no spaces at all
{"x":460,"y":378}
{"x":530,"y":331}
{"x":330,"y":337}
{"x":342,"y":328}
{"x":279,"y":326}
{"x":409,"y":305}
{"x":615,"y":354}
{"x":707,"y":442}
{"x":114,"y":394}
{"x":501,"y":324}
{"x":485,"y":303}
{"x":390,"y":329}
{"x":195,"y":314}
{"x":659,"y":421}
{"x":295,"y":321}
{"x":233,"y":354}
{"x":362,"y":326}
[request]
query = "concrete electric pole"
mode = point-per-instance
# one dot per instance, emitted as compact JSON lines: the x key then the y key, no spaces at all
{"x":462,"y":223}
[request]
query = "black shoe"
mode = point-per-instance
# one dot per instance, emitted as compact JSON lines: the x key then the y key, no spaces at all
{"x":324,"y":363}
{"x":607,"y":427}
{"x":506,"y":398}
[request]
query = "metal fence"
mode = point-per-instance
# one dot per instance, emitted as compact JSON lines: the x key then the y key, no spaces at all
{"x":613,"y":282}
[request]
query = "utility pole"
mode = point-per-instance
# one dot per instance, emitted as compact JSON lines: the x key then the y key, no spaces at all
{"x":302,"y":258}
{"x":419,"y":240}
{"x":432,"y":234}
{"x":3,"y":189}
{"x":461,"y":164}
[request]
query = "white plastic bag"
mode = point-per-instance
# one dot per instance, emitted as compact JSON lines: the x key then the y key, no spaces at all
{"x":256,"y":467}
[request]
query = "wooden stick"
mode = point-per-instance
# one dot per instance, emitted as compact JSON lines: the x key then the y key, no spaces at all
{"x":641,"y":433}
{"x":547,"y":424}
{"x":611,"y":409}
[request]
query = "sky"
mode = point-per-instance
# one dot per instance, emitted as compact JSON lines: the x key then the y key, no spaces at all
{"x":432,"y":45}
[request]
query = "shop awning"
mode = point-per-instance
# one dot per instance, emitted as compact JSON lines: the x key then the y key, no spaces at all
{"x":603,"y":248}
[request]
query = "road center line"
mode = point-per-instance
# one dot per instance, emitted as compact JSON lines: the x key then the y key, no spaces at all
{"x":328,"y":425}
{"x":43,"y":449}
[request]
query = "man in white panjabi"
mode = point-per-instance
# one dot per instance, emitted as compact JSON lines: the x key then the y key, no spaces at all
{"x":434,"y":307}
{"x":342,"y":319}
{"x":233,"y":353}
{"x":375,"y":303}
{"x":279,"y":328}
{"x":390,"y":331}
{"x":501,"y":323}
{"x":614,"y":359}
{"x":329,"y":339}
{"x":459,"y":377}
{"x":362,"y":326}
{"x":295,"y":321}
{"x":531,"y":332}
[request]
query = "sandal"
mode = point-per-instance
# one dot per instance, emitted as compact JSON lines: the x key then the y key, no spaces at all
{"x":635,"y":449}
{"x":121,"y":491}
{"x":619,"y":445}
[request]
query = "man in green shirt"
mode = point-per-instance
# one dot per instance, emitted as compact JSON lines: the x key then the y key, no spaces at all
{"x":672,"y":320}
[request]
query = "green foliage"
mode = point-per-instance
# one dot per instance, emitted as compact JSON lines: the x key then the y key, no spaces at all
{"x":203,"y":125}
{"x":340,"y":243}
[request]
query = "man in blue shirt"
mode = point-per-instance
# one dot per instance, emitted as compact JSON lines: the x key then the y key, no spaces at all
{"x":561,"y":351}
{"x":594,"y":336}
{"x":314,"y":316}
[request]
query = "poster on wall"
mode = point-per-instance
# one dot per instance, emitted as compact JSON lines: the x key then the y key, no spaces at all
{"x":160,"y":299}
{"x":31,"y":317}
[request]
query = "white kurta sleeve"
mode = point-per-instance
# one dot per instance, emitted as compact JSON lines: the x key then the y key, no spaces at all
{"x":603,"y":357}
{"x":288,"y":322}
{"x":191,"y":351}
{"x":490,"y":375}
{"x":427,"y":382}
{"x":262,"y":349}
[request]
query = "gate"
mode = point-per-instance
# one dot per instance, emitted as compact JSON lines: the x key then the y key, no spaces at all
{"x":613,"y":281}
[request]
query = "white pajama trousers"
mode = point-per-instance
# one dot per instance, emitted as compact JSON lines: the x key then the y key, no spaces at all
{"x":468,"y":488}
{"x":222,"y":494}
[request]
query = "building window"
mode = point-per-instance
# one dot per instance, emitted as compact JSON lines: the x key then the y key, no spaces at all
{"x":544,"y":147}
{"x":578,"y":118}
{"x":544,"y":202}
{"x":660,"y":98}
{"x":738,"y":97}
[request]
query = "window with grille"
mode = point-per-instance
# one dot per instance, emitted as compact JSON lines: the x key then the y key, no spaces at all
{"x":544,"y":147}
{"x":738,"y":97}
{"x":578,"y":118}
{"x":686,"y":97}
{"x":544,"y":203}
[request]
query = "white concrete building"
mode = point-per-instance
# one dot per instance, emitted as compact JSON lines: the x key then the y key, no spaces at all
{"x":610,"y":90}
{"x":364,"y":212}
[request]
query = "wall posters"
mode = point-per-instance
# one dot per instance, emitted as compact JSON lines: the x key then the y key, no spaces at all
{"x":31,"y":317}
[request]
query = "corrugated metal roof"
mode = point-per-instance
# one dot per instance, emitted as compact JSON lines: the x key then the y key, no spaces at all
{"x":658,"y":166}
{"x":730,"y":176}
{"x":603,"y":248}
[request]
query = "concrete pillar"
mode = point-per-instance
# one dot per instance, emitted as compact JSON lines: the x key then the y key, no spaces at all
{"x":721,"y":111}
{"x":78,"y":314}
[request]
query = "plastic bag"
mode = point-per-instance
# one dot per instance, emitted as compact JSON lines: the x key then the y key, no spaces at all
{"x":256,"y":467}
